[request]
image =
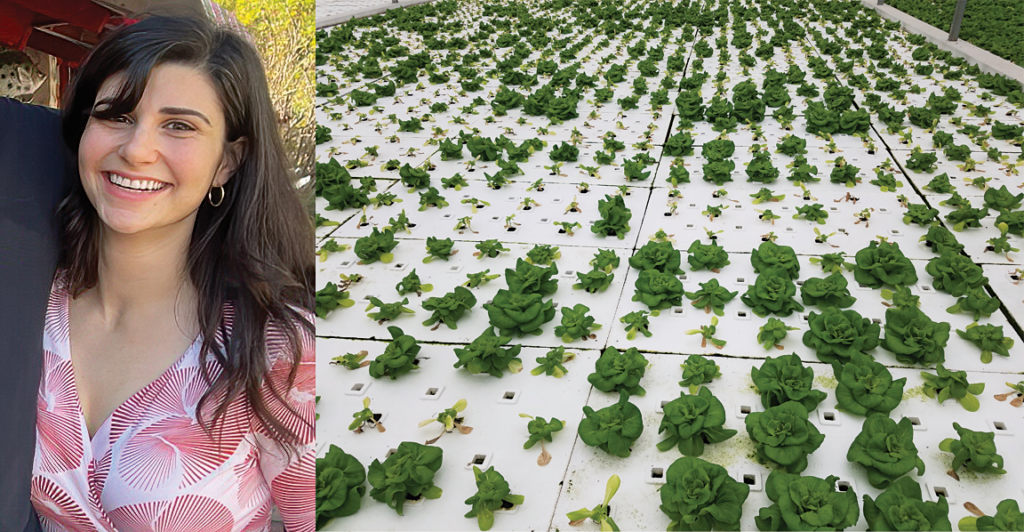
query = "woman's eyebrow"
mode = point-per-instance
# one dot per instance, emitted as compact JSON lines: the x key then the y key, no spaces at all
{"x":185,"y":111}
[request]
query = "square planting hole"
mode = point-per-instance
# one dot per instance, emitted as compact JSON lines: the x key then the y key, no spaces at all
{"x":833,"y":209}
{"x":743,"y":410}
{"x":789,"y":229}
{"x":432,"y":393}
{"x":828,"y":417}
{"x":883,"y":209}
{"x":895,"y":232}
{"x":454,"y":269}
{"x":689,"y":226}
{"x":1000,"y":428}
{"x":358,"y":388}
{"x":741,"y":280}
{"x":511,"y":229}
{"x":843,"y":486}
{"x":661,"y":406}
{"x":495,"y":218}
{"x":678,"y":311}
{"x":346,"y":263}
{"x":876,"y":320}
{"x":739,"y":227}
{"x":799,"y":283}
{"x":367,"y":297}
{"x":390,"y":452}
{"x":751,"y":479}
{"x":926,"y":288}
{"x":804,"y":317}
{"x":509,"y":397}
{"x":449,"y":215}
{"x":742,"y":314}
{"x":481,"y":460}
{"x":935,"y":491}
{"x":544,"y":220}
{"x":657,"y":473}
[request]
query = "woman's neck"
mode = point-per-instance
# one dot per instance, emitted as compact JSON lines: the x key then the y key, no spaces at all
{"x":145,"y":274}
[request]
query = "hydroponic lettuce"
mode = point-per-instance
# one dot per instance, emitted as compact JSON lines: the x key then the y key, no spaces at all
{"x":449,"y":308}
{"x":339,"y":485}
{"x":784,"y":379}
{"x":388,"y":311}
{"x":806,"y":503}
{"x":376,"y":246}
{"x":831,"y":291}
{"x":945,"y":384}
{"x":988,"y":338}
{"x":782,"y":434}
{"x":900,"y":507}
{"x":531,"y":279}
{"x":706,"y":256}
{"x":914,"y":338}
{"x":519,"y":314}
{"x":489,"y":248}
{"x":661,"y":256}
{"x":576,"y":323}
{"x":699,"y":495}
{"x":1002,"y":200}
{"x":941,"y":239}
{"x":605,"y":260}
{"x":330,"y":298}
{"x":1008,"y":517}
{"x":438,"y":248}
{"x":593,"y":281}
{"x":542,"y":254}
{"x":614,"y":217}
{"x":492,"y":492}
{"x":772,"y":293}
{"x":773,"y":332}
{"x":920,"y":214}
{"x":698,"y":370}
{"x":658,"y":290}
{"x":399,"y":356}
{"x":691,"y":421}
{"x":769,"y":255}
{"x":955,"y":274}
{"x":614,"y":428}
{"x":601,"y":513}
{"x":886,"y":450}
{"x":617,"y":371}
{"x":485,"y":355}
{"x":712,"y":297}
{"x":976,"y":450}
{"x":406,"y":474}
{"x":976,"y":301}
{"x":883,"y":264}
{"x":866,"y":387}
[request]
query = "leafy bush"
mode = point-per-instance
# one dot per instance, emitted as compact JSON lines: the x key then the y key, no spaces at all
{"x":449,"y":307}
{"x":941,"y":239}
{"x":399,"y":356}
{"x":339,"y":485}
{"x":976,"y":450}
{"x":658,"y":290}
{"x":769,"y":254}
{"x":914,"y":338}
{"x":698,"y":370}
{"x":866,"y":387}
{"x":575,"y":323}
{"x":593,"y":281}
{"x":531,"y":279}
{"x":408,"y":473}
{"x":1002,"y":200}
{"x":806,"y":503}
{"x":519,"y":314}
{"x":900,"y":507}
{"x":773,"y":332}
{"x":329,"y":298}
{"x":1008,"y":517}
{"x":485,"y":355}
{"x":614,"y":428}
{"x":975,"y":300}
{"x":784,"y":379}
{"x":712,"y":297}
{"x":782,"y":434}
{"x":831,"y":291}
{"x":699,"y":495}
{"x":692,"y":421}
{"x":492,"y":491}
{"x":886,"y":450}
{"x":988,"y":338}
{"x":883,"y":263}
{"x":376,"y":246}
{"x":388,"y":311}
{"x":773,"y":293}
{"x":661,"y":256}
{"x":614,"y":217}
{"x":955,"y":274}
{"x":706,"y":256}
{"x":952,"y":385}
{"x":617,"y":371}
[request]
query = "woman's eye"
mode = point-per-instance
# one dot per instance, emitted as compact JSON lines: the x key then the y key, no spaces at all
{"x":181,"y":126}
{"x":122,"y":119}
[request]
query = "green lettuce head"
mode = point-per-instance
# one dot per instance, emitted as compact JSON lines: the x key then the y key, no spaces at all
{"x":883,"y":263}
{"x":769,"y":255}
{"x":692,"y":421}
{"x":783,"y":435}
{"x":699,"y":495}
{"x":772,"y":293}
{"x":885,"y":449}
{"x":914,"y":338}
{"x":784,"y":379}
{"x":866,"y":386}
{"x":900,"y":507}
{"x":806,"y":503}
{"x":835,"y":335}
{"x":339,"y":485}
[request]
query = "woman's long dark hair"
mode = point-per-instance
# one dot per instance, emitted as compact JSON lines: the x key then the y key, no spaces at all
{"x":254,"y":251}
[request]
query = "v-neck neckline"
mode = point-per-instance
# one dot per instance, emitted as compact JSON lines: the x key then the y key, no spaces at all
{"x":159,"y":380}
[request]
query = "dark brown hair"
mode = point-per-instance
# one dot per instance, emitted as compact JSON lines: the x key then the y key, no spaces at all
{"x":252,"y":252}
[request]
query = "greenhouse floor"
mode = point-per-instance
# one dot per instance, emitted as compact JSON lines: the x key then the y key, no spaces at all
{"x":369,"y":134}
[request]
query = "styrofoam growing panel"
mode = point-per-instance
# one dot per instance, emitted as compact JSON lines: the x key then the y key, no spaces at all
{"x":635,"y":506}
{"x":1005,"y":281}
{"x":497,"y":438}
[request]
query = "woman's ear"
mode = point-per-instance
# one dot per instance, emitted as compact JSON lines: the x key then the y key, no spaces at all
{"x":233,"y":152}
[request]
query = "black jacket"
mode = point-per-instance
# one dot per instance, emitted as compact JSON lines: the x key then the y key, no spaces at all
{"x":33,"y":173}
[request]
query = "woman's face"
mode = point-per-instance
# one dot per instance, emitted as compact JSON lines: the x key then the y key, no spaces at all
{"x":152,"y":169}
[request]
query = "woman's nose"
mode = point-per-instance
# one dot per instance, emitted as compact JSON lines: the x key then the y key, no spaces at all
{"x":139,"y":145}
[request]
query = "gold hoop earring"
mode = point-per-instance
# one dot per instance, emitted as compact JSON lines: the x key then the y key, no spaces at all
{"x":210,"y":196}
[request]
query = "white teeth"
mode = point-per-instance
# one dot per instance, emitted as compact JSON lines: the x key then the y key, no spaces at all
{"x":134,"y":184}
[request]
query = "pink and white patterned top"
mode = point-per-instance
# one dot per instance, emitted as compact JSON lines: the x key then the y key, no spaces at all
{"x":150,"y":467}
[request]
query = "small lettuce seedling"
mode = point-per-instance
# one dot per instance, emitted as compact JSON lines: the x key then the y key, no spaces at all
{"x":406,"y":474}
{"x":782,"y":434}
{"x":448,"y":308}
{"x":376,"y":246}
{"x":477,"y":279}
{"x":712,"y":297}
{"x":606,"y":260}
{"x":489,"y":248}
{"x":886,"y":450}
{"x":614,"y":217}
{"x":1008,"y":517}
{"x":766,"y":195}
{"x":636,"y":322}
{"x":365,"y":417}
{"x":785,"y":378}
{"x":601,"y":513}
{"x":593,"y":281}
{"x":692,"y":421}
{"x":614,"y":428}
{"x":331,"y":246}
{"x":399,"y":356}
{"x":698,"y":370}
{"x":773,"y":332}
{"x":811,"y":213}
{"x":388,"y":311}
{"x":832,"y":262}
{"x":492,"y":494}
{"x":541,"y":430}
{"x":485,"y":355}
{"x":352,"y":361}
{"x":329,"y":298}
{"x":947,"y":384}
{"x":914,"y":338}
{"x":339,"y":485}
{"x":988,"y":338}
{"x":411,"y":283}
{"x":976,"y":450}
{"x":576,"y":323}
{"x":707,"y":333}
{"x":807,"y":503}
{"x":450,"y":419}
{"x":543,"y":254}
{"x":401,"y":223}
{"x":551,"y":363}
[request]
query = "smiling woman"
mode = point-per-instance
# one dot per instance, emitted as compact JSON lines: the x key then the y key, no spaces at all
{"x":178,"y":380}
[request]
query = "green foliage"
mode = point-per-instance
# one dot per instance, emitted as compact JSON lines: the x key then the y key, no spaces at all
{"x":543,"y":254}
{"x":593,"y":281}
{"x":812,"y":213}
{"x":489,"y":248}
{"x":575,"y":323}
{"x":1008,"y":517}
{"x":866,"y":387}
{"x":886,"y":450}
{"x":485,"y":355}
{"x":700,"y":495}
{"x":617,"y":371}
{"x":900,"y":507}
{"x":913,"y":337}
{"x":922,"y":161}
{"x":329,"y":298}
{"x":614,"y":217}
{"x":600,"y":512}
{"x":409,"y":472}
{"x":772,"y":293}
{"x":636,"y":322}
{"x":988,"y":338}
{"x":518,"y":314}
{"x":977,"y":301}
{"x":541,"y":429}
{"x":614,"y":428}
{"x":388,"y":311}
{"x":784,"y":379}
{"x":531,"y":279}
{"x":706,"y":256}
{"x":1002,"y":200}
{"x":771,"y":255}
{"x":399,"y":356}
{"x":773,"y":332}
{"x":945,"y":384}
{"x":491,"y":492}
{"x":698,"y":370}
{"x":449,"y":307}
{"x":782,"y":434}
{"x":883,"y":264}
{"x":438,"y":248}
{"x":606,"y":260}
{"x":658,"y":290}
{"x":551,"y":363}
{"x":564,"y":152}
{"x":941,"y":239}
{"x":955,"y":274}
{"x":376,"y":246}
{"x":339,"y":485}
{"x":831,"y":291}
{"x":806,"y":503}
{"x":976,"y":450}
{"x":712,"y":297}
